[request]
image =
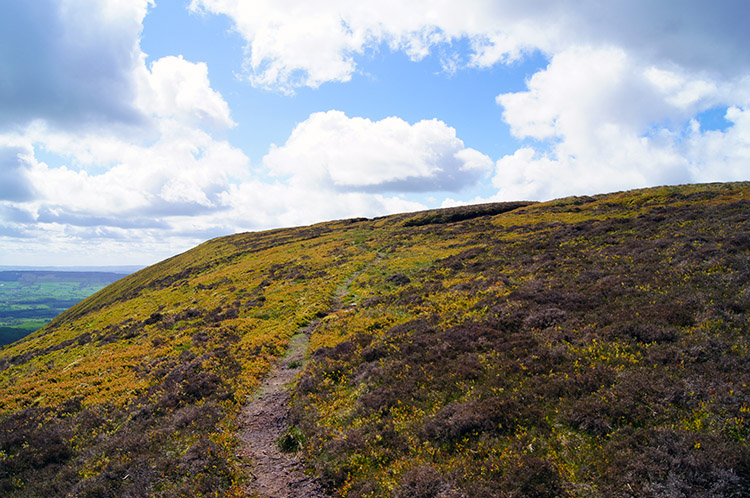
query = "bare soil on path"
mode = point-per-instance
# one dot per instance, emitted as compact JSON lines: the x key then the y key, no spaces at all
{"x":264,"y":419}
{"x":273,"y":473}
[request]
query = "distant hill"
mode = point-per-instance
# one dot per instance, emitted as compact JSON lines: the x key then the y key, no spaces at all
{"x":37,"y":276}
{"x":122,"y":270}
{"x":593,"y":346}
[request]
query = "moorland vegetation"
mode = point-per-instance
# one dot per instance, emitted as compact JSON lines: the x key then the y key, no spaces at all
{"x":588,"y":346}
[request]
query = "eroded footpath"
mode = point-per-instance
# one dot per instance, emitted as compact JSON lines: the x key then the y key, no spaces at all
{"x":273,"y":473}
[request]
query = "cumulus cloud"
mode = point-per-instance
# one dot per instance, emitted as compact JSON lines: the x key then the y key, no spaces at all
{"x":332,"y":151}
{"x":292,"y":44}
{"x":182,"y":173}
{"x":603,"y":121}
{"x":263,"y":205}
{"x":610,"y":117}
{"x":69,"y":62}
{"x":180,"y":90}
{"x":720,"y":155}
{"x":15,"y":185}
{"x":142,"y":168}
{"x":611,"y":111}
{"x":579,"y":87}
{"x":139,"y":139}
{"x":138,"y":143}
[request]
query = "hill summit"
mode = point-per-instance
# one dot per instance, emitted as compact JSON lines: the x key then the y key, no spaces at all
{"x":589,"y":346}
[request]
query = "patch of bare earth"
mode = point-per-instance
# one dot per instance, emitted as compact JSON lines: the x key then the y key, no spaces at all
{"x":273,"y":473}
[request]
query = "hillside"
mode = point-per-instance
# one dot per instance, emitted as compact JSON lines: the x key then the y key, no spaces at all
{"x":589,"y":347}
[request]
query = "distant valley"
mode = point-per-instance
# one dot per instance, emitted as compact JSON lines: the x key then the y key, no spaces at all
{"x":29,"y":299}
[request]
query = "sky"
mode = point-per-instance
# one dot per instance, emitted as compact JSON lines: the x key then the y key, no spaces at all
{"x":133,"y":130}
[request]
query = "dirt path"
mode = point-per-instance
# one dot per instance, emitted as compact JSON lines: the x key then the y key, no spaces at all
{"x":275,"y":474}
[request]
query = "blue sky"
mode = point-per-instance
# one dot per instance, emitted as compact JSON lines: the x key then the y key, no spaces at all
{"x":132,"y":130}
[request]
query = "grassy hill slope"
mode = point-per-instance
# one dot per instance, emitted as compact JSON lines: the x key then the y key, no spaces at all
{"x":590,"y":346}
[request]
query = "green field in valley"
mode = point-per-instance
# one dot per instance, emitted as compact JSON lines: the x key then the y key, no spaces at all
{"x":30,"y":299}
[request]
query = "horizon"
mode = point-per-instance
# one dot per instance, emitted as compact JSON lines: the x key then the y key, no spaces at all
{"x":134,"y":130}
{"x":123,"y":269}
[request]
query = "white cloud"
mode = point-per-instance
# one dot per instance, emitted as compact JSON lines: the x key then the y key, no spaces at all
{"x":720,"y":155}
{"x":605,"y":122}
{"x":289,"y":37}
{"x":583,"y":89}
{"x":679,"y":90}
{"x":139,"y":146}
{"x":265,"y":205}
{"x":170,"y":165}
{"x":332,"y":151}
{"x":293,"y":44}
{"x":177,"y":89}
{"x":604,"y":118}
{"x":185,"y":167}
{"x":187,"y":180}
{"x":15,"y":185}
